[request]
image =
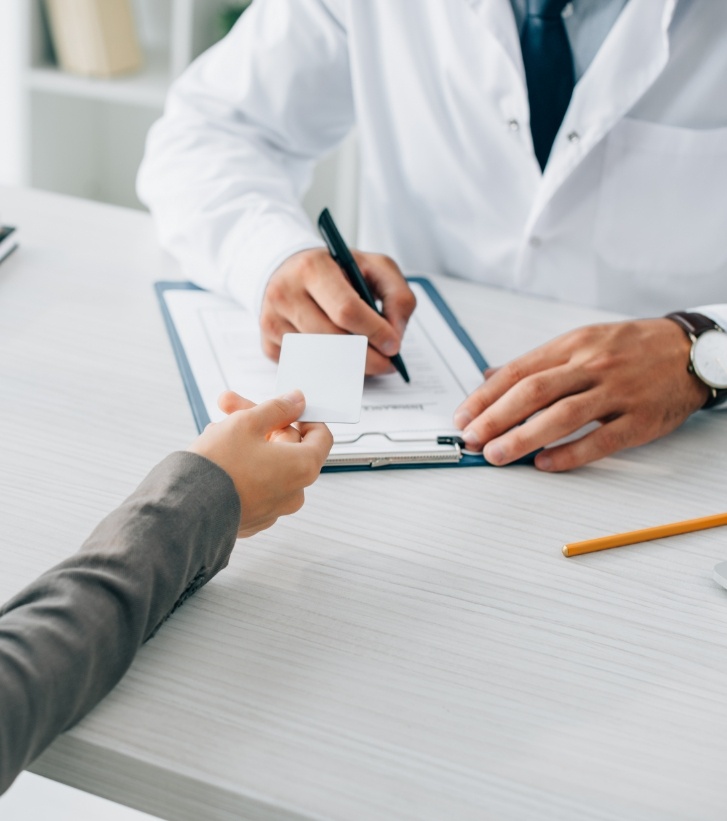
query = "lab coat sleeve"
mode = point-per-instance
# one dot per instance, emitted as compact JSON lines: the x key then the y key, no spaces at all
{"x":226,"y":166}
{"x":718,"y":313}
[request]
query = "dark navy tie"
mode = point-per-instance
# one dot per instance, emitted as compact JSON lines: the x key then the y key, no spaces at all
{"x":548,"y":70}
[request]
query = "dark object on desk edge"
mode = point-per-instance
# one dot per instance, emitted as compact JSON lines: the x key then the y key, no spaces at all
{"x":8,"y":241}
{"x":343,"y":256}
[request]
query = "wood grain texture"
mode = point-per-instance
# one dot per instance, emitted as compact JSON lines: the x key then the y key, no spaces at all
{"x":412,"y":644}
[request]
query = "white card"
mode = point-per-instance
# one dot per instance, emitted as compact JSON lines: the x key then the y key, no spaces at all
{"x":329,"y":369}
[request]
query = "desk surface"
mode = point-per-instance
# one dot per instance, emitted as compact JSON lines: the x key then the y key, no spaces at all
{"x":412,"y":644}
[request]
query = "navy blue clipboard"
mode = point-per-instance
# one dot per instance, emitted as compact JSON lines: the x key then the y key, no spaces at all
{"x":199,"y":411}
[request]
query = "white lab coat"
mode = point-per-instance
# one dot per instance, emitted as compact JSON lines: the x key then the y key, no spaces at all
{"x":630,"y":213}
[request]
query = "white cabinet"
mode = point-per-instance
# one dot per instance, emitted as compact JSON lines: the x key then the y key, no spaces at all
{"x":85,"y":136}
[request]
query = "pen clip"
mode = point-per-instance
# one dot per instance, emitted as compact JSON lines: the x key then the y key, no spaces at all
{"x":327,"y":238}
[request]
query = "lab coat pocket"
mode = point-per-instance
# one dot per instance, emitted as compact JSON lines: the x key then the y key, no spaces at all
{"x":663,"y":199}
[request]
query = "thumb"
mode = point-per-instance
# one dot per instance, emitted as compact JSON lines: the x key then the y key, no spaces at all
{"x":229,"y":402}
{"x":278,"y":413}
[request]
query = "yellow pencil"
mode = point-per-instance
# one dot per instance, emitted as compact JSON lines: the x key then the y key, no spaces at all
{"x":645,"y":535}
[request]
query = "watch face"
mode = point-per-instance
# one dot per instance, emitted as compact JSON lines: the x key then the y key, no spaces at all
{"x":709,"y":358}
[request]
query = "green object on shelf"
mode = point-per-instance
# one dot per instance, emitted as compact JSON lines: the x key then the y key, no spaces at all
{"x":230,"y":15}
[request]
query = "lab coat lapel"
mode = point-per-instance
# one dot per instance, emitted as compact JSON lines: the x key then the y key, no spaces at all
{"x":499,"y":19}
{"x":632,"y":57}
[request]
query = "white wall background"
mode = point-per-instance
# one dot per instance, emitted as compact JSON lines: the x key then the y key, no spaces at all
{"x":10,"y":107}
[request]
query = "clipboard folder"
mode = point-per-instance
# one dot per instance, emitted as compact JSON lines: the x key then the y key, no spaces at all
{"x":358,"y":449}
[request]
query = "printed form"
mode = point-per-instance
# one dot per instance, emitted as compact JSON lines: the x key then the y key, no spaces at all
{"x":400,"y":422}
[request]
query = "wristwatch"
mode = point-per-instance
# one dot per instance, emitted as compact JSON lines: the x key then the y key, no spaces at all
{"x":708,"y":357}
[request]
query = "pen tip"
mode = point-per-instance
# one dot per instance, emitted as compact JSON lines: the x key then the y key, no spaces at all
{"x":566,"y":552}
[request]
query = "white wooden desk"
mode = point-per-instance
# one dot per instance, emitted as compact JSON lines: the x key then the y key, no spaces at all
{"x":412,"y":644}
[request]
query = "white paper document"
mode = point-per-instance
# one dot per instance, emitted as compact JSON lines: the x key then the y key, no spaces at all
{"x":400,"y":423}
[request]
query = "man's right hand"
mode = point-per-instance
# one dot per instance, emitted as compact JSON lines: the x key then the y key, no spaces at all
{"x":309,"y":293}
{"x":269,"y":461}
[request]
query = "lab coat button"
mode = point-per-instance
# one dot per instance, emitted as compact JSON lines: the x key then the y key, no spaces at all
{"x":574,"y":137}
{"x":513,"y":125}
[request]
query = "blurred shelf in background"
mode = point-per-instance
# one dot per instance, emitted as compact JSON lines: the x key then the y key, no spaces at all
{"x":85,"y":136}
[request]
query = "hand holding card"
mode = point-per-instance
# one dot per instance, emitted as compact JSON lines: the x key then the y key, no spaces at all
{"x":329,"y":369}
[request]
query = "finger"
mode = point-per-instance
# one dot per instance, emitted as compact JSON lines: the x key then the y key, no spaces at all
{"x":389,"y":284}
{"x":610,"y":437}
{"x":345,"y":308}
{"x":489,"y":372}
{"x":377,"y":364}
{"x":273,"y":326}
{"x":278,"y":413}
{"x":292,"y":504}
{"x":289,"y":434}
{"x":530,"y":395}
{"x":271,"y":350}
{"x":310,"y":319}
{"x":283,"y":506}
{"x":307,"y":317}
{"x":563,"y":418}
{"x":229,"y":402}
{"x":316,"y":444}
{"x":248,"y":529}
{"x":505,"y":377}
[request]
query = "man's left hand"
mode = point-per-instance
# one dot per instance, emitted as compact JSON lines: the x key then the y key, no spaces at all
{"x":631,"y":377}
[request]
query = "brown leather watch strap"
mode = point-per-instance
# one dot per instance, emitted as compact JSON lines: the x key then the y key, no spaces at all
{"x":693,"y":323}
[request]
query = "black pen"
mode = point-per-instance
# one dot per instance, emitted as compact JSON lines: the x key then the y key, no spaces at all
{"x":340,"y":253}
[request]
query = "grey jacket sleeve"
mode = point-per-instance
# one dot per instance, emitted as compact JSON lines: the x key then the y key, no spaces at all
{"x":69,"y":637}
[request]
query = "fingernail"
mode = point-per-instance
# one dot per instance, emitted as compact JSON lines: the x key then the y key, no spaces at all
{"x":471,"y":440}
{"x":389,"y":347}
{"x":400,"y":326}
{"x":494,"y":453}
{"x":296,"y":397}
{"x":544,"y":462}
{"x":462,"y":418}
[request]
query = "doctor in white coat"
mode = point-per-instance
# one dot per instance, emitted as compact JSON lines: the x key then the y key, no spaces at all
{"x":624,"y":208}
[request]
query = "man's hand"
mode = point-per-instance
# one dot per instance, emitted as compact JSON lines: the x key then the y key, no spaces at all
{"x":630,"y":376}
{"x":269,"y":461}
{"x":310,"y":294}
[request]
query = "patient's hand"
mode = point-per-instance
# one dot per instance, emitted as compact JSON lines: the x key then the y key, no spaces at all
{"x":269,"y":461}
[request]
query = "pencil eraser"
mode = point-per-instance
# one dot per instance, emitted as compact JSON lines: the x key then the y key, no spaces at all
{"x":329,"y":369}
